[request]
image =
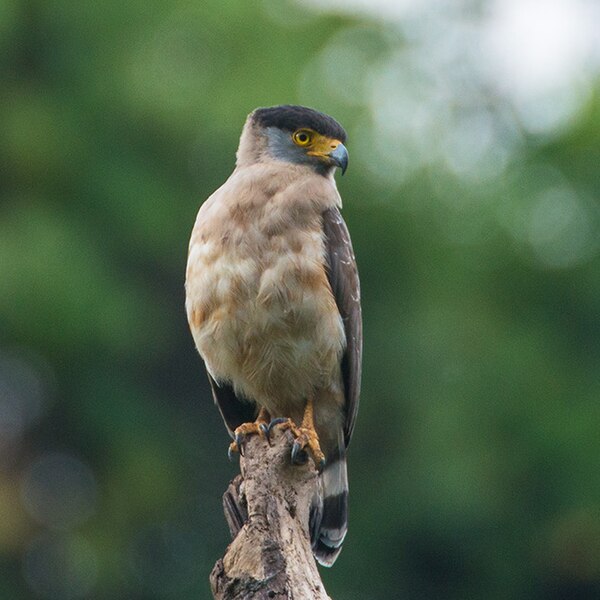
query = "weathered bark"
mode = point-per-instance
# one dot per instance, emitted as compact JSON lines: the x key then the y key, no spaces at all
{"x":267,"y":509}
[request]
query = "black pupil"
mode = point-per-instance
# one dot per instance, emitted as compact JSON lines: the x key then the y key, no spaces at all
{"x":303,"y":137}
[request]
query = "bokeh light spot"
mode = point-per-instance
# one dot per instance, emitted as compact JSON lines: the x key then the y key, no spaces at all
{"x":23,"y":397}
{"x":59,"y":491}
{"x":559,"y":229}
{"x":164,"y":557}
{"x":60,"y":567}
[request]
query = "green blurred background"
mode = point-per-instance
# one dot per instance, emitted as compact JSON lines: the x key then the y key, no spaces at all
{"x":473,"y":201}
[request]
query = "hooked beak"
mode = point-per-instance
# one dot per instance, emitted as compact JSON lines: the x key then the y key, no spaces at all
{"x":339,"y":157}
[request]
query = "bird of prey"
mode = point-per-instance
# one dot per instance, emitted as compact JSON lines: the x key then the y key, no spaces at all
{"x":273,"y":300}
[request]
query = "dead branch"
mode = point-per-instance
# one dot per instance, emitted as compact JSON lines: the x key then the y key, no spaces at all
{"x":267,"y":509}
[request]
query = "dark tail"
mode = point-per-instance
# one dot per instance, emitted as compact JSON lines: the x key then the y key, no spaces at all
{"x":329,"y":513}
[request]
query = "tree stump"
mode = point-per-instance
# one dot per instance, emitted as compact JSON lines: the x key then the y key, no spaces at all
{"x":267,"y":508}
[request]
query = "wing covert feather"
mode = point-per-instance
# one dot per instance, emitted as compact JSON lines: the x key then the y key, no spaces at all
{"x":343,"y":278}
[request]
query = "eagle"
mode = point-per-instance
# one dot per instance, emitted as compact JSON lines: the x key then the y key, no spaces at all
{"x":273,"y":301}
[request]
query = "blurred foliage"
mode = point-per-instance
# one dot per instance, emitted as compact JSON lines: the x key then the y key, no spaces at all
{"x":474,"y":468}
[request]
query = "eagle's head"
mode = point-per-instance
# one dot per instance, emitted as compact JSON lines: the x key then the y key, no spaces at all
{"x":294,"y":134}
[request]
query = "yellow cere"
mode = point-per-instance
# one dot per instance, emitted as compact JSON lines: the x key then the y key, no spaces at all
{"x":319,"y":145}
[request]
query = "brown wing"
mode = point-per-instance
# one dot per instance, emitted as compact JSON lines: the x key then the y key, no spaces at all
{"x":233,"y":410}
{"x":343,"y":278}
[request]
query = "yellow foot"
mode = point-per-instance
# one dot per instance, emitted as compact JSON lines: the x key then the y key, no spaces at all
{"x":306,"y":440}
{"x":259,"y":427}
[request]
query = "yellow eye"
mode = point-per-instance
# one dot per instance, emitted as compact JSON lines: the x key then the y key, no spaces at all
{"x":302,"y":137}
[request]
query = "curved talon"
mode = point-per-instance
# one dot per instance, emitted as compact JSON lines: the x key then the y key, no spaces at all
{"x":239,"y":442}
{"x":233,"y":447}
{"x":299,"y":456}
{"x":277,"y":421}
{"x":306,"y":441}
{"x":245,"y":429}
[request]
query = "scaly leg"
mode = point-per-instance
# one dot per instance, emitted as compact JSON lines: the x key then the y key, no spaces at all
{"x":306,"y":436}
{"x":260,"y":426}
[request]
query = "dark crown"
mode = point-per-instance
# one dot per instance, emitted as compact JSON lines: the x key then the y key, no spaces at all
{"x":291,"y":118}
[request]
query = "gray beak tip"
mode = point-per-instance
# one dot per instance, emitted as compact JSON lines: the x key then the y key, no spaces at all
{"x":340,"y":157}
